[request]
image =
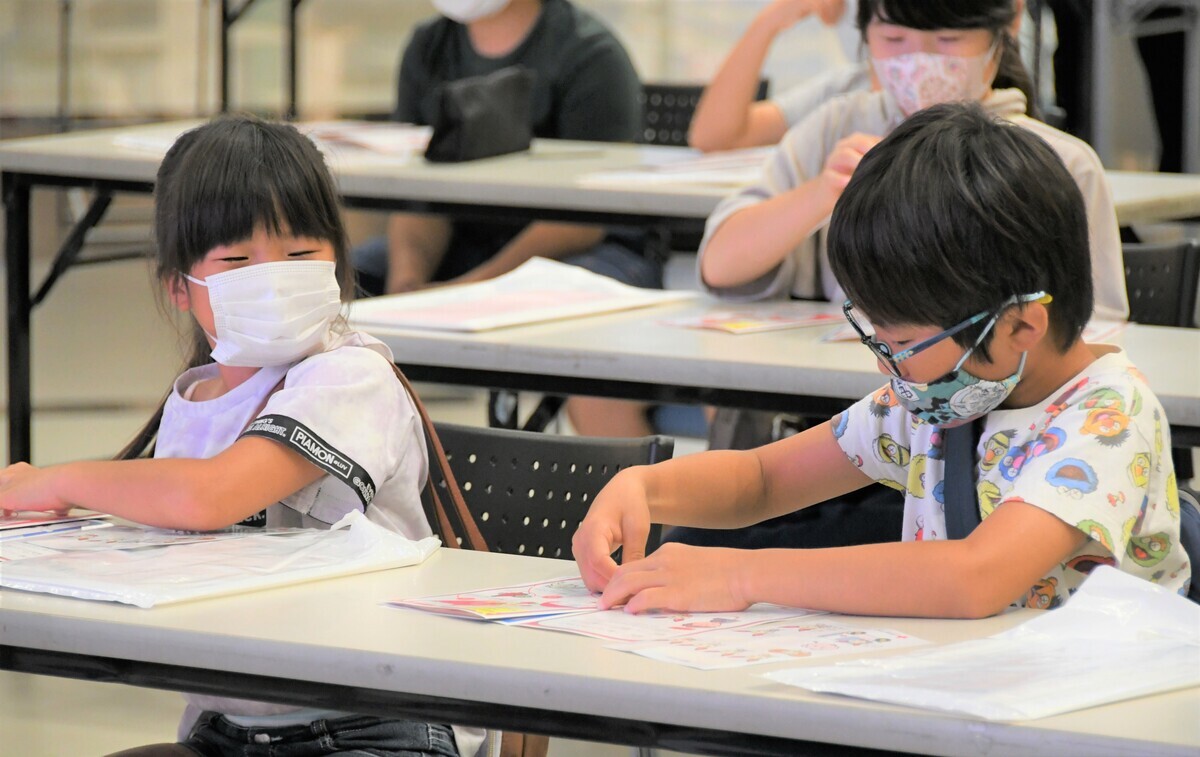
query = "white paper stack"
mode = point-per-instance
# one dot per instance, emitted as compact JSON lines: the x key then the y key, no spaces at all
{"x":151,"y":576}
{"x":536,"y":291}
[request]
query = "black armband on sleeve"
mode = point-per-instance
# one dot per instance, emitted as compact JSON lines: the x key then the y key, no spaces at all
{"x":296,"y":436}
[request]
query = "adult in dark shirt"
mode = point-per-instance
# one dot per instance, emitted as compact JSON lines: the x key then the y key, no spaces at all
{"x":585,"y":88}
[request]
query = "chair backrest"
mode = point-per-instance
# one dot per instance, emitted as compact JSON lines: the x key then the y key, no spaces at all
{"x":667,"y":111}
{"x":1161,"y":280}
{"x":529,"y":491}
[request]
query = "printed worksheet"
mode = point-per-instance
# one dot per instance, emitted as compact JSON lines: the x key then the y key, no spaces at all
{"x":620,"y":626}
{"x":778,"y":641}
{"x":553,"y":597}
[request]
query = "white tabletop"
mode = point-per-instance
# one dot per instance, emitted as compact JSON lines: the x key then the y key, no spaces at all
{"x":637,"y":346}
{"x":547,"y":177}
{"x":338,"y":632}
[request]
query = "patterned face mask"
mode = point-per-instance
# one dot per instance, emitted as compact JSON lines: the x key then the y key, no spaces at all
{"x":956,"y":398}
{"x":919,"y":80}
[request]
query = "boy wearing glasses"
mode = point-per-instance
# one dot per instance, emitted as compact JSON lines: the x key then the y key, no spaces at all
{"x":962,"y":244}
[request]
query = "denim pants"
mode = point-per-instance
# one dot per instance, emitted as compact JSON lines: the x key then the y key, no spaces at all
{"x":214,"y":735}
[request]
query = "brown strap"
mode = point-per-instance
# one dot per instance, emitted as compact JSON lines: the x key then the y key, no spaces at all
{"x":457,"y":521}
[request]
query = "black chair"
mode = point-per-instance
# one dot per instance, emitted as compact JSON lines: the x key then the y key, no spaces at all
{"x":667,"y":110}
{"x":1161,"y":280}
{"x":529,"y":491}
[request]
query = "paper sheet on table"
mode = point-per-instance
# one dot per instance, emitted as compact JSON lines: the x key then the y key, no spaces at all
{"x":538,"y":290}
{"x":756,"y":318}
{"x":1118,"y":637}
{"x":382,"y":137}
{"x":554,"y":596}
{"x":20,"y":523}
{"x":776,"y":641}
{"x":156,"y":576}
{"x":678,"y":166}
{"x":619,"y":626}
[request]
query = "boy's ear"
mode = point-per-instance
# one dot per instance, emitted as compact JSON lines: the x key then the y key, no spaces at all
{"x":178,"y":292}
{"x":1026,"y":326}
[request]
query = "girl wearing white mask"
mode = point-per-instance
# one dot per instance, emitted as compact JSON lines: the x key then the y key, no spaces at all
{"x":282,"y":408}
{"x":767,"y":240}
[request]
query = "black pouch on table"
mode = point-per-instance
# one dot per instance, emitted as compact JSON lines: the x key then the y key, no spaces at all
{"x":483,"y":116}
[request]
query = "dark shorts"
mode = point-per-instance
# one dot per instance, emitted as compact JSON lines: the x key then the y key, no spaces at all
{"x":214,"y":736}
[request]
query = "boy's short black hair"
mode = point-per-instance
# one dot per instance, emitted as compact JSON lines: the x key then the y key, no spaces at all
{"x":954,"y":213}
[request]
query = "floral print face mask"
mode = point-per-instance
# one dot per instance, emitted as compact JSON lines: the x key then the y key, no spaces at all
{"x":919,"y":80}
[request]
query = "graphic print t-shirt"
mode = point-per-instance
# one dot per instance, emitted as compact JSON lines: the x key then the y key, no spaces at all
{"x":1096,"y":454}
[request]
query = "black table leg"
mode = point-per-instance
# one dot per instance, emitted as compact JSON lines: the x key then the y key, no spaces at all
{"x":16,"y":252}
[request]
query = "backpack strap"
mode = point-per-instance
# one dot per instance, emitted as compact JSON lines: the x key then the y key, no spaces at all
{"x":961,"y":500}
{"x":455,"y":522}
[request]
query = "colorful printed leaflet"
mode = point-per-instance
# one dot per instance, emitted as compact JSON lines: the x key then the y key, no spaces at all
{"x":553,"y":597}
{"x":620,"y":626}
{"x":24,"y":520}
{"x":755,"y":319}
{"x":779,"y":641}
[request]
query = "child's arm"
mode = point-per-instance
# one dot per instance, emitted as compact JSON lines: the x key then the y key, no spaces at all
{"x":718,"y":489}
{"x":727,"y":116}
{"x":191,"y":494}
{"x":416,"y":246}
{"x":968,"y":578}
{"x":756,"y":239}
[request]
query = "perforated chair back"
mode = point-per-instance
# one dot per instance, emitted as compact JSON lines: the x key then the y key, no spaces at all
{"x":667,"y":111}
{"x":529,"y":491}
{"x":1161,"y":280}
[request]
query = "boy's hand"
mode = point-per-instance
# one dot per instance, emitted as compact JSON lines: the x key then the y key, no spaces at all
{"x":681,"y":578}
{"x":846,"y":155}
{"x":24,"y":487}
{"x":619,"y":517}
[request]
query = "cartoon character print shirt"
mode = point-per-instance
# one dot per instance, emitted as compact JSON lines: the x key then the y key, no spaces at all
{"x":1095,"y":454}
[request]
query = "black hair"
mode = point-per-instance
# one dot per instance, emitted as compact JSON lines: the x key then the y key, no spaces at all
{"x":997,"y":16}
{"x":221,"y":181}
{"x":954,"y":213}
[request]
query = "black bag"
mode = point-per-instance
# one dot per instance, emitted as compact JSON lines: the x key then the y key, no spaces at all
{"x":482,"y":116}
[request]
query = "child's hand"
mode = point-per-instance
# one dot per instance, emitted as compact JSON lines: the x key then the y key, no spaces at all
{"x":681,"y":578}
{"x":782,"y":14}
{"x":619,"y":517}
{"x":840,"y":164}
{"x":24,"y":487}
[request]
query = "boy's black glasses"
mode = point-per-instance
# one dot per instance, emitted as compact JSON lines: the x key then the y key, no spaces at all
{"x":892,"y":362}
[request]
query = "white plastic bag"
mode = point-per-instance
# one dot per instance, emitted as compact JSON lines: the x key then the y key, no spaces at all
{"x":153,"y":576}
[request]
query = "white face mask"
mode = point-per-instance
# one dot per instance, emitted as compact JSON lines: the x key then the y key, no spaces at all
{"x":466,"y":11}
{"x":919,"y":80}
{"x":272,"y":313}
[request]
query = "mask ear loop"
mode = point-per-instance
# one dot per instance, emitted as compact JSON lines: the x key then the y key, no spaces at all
{"x":1039,"y":297}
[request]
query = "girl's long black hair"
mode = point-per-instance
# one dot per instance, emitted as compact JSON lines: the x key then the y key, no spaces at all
{"x":217,"y":184}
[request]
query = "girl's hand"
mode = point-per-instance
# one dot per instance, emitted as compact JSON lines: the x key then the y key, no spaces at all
{"x":783,"y":14}
{"x":24,"y":487}
{"x":681,"y":578}
{"x":619,"y":517}
{"x":842,"y":161}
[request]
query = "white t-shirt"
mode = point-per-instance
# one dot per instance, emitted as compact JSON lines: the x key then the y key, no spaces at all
{"x":342,"y":409}
{"x":346,"y":412}
{"x":799,"y":102}
{"x":801,"y":156}
{"x":1096,"y":454}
